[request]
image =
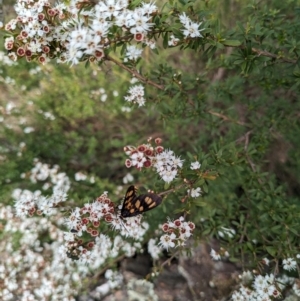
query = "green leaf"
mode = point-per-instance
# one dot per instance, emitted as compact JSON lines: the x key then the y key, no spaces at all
{"x":233,"y":43}
{"x":271,"y":251}
{"x":166,"y":40}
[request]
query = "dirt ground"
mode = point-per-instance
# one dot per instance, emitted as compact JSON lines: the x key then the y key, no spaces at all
{"x":184,"y":278}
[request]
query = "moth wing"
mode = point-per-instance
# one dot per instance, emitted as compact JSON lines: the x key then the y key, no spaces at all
{"x":140,"y":204}
{"x":149,"y":201}
{"x":128,"y":200}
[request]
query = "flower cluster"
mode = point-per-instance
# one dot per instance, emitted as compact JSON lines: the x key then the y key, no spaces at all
{"x":44,"y":31}
{"x":50,"y":175}
{"x":20,"y":121}
{"x":28,"y":203}
{"x":263,"y":288}
{"x":114,"y":279}
{"x":177,"y":231}
{"x":36,"y":270}
{"x":145,"y":155}
{"x":36,"y":32}
{"x":141,"y":289}
{"x":5,"y":60}
{"x":136,"y":95}
{"x":88,"y":220}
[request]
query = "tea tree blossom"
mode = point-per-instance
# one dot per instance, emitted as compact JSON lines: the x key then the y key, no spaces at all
{"x":195,"y":165}
{"x":177,"y":232}
{"x":80,"y":176}
{"x":46,"y":271}
{"x":215,"y":255}
{"x":133,"y":53}
{"x":167,"y":241}
{"x":259,"y":287}
{"x":195,"y":192}
{"x":28,"y":203}
{"x":167,"y":164}
{"x":173,"y":41}
{"x":163,"y":161}
{"x":153,"y":249}
{"x":289,"y":264}
{"x":75,"y":41}
{"x":191,"y":28}
{"x":136,"y":95}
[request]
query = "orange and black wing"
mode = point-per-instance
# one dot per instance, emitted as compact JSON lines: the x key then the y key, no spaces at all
{"x":134,"y":205}
{"x":128,"y":200}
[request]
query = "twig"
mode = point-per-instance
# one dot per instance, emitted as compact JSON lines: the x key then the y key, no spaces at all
{"x":243,"y":137}
{"x":172,"y":189}
{"x":224,"y":117}
{"x":135,"y":73}
{"x":272,"y":55}
{"x":168,"y":261}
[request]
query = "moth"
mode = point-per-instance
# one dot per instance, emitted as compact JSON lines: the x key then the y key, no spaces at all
{"x":137,"y":204}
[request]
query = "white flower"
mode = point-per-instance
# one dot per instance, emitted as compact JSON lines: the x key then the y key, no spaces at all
{"x":138,"y":159}
{"x":148,"y":8}
{"x":79,"y":176}
{"x":215,"y":255}
{"x":184,"y":19}
{"x":153,"y":249}
{"x":133,"y":53}
{"x":128,"y":178}
{"x":296,"y":289}
{"x":266,"y":261}
{"x":74,"y":219}
{"x":173,"y":41}
{"x":167,"y":165}
{"x":103,"y":97}
{"x":28,"y":130}
{"x":195,"y":165}
{"x":150,"y":43}
{"x":289,"y":264}
{"x":139,"y":22}
{"x":195,"y":192}
{"x":192,"y":30}
{"x":86,"y":257}
{"x":166,"y":241}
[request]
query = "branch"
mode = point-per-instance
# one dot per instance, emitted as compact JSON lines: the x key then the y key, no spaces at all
{"x":168,"y":261}
{"x":145,"y":80}
{"x":271,"y":55}
{"x":224,"y":117}
{"x":136,"y":74}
